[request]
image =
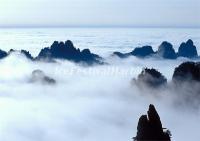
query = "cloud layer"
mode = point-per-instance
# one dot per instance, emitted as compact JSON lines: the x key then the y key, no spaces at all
{"x":95,"y":103}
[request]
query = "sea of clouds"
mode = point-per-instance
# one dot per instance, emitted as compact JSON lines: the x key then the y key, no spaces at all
{"x":98,"y":103}
{"x":87,"y":103}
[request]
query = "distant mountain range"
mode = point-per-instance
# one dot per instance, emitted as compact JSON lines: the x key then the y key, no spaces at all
{"x":67,"y":51}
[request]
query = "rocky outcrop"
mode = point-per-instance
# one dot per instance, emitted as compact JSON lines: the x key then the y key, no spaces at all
{"x":138,"y":52}
{"x":23,"y":52}
{"x":38,"y":76}
{"x":186,"y":80}
{"x":166,"y":51}
{"x":121,"y":55}
{"x":27,"y":54}
{"x":67,"y":51}
{"x":61,"y":50}
{"x":188,"y":71}
{"x":3,"y":54}
{"x":187,"y":50}
{"x":151,"y":78}
{"x":142,"y":51}
{"x":150,"y":127}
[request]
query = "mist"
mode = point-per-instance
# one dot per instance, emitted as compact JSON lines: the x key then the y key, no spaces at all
{"x":87,"y":103}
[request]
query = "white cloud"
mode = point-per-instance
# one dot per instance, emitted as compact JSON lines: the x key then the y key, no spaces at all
{"x":84,"y":107}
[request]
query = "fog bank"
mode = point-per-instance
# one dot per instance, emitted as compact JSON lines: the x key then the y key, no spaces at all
{"x":95,"y":103}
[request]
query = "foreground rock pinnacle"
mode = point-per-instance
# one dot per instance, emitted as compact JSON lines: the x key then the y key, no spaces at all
{"x":150,"y":127}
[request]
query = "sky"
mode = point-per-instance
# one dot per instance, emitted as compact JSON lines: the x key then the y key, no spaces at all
{"x":175,"y":13}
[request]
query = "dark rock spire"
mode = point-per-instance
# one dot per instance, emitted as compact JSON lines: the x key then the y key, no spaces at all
{"x":3,"y":54}
{"x":150,"y":127}
{"x":61,"y":50}
{"x":151,"y":78}
{"x":187,"y":71}
{"x":187,"y":49}
{"x":166,"y":50}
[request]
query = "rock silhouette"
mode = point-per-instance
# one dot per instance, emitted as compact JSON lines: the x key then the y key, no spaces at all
{"x":61,"y":50}
{"x":40,"y":77}
{"x":142,"y":51}
{"x":166,"y":51}
{"x":186,"y":79}
{"x":3,"y":54}
{"x":24,"y":52}
{"x":27,"y":54}
{"x":188,"y":71}
{"x":150,"y":127}
{"x":138,"y":52}
{"x":151,"y":78}
{"x":187,"y":49}
{"x":121,"y":55}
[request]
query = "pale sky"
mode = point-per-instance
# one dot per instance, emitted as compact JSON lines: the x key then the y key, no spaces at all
{"x":175,"y":13}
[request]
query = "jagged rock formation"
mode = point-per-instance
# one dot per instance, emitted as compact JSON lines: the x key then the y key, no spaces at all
{"x":24,"y":52}
{"x":166,"y":50}
{"x":138,"y":52}
{"x":151,"y":78}
{"x":27,"y":54}
{"x":40,"y":77}
{"x":187,"y":49}
{"x":3,"y":54}
{"x":188,"y":71}
{"x":150,"y":127}
{"x":61,"y":50}
{"x":186,"y":80}
{"x":143,"y":51}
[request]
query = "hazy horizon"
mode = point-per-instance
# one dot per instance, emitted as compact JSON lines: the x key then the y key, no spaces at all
{"x":98,"y":26}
